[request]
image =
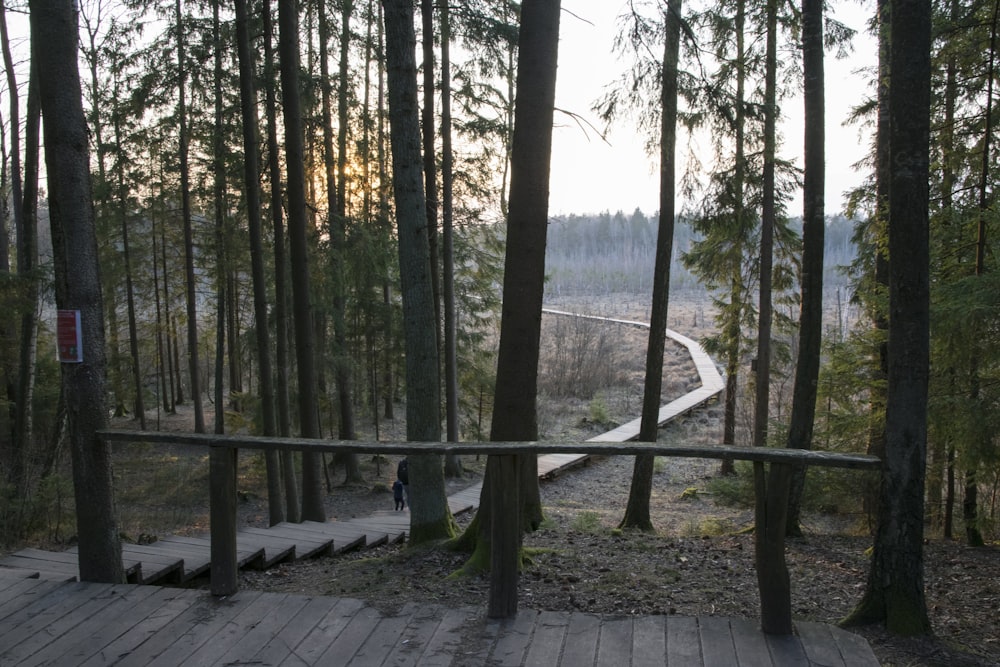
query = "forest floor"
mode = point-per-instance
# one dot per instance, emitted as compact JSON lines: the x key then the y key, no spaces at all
{"x":700,"y":560}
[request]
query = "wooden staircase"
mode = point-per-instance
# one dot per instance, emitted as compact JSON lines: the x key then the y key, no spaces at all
{"x":177,"y":559}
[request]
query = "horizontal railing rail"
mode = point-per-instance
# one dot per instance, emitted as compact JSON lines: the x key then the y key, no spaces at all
{"x":503,"y":583}
{"x":762,"y":454}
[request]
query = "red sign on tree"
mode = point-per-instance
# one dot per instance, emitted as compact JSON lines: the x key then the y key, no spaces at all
{"x":69,"y":336}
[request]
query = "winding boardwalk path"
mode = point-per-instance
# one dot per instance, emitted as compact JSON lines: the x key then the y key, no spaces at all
{"x":174,"y":559}
{"x":48,"y":618}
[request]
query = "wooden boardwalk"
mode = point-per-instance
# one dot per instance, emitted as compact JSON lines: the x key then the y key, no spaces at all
{"x":47,"y":618}
{"x":69,"y":623}
{"x":178,"y":559}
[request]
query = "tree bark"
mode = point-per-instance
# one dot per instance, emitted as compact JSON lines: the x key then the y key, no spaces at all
{"x":248,"y":114}
{"x":336,"y":174}
{"x":281,"y":359}
{"x":737,"y":291}
{"x":770,"y":488}
{"x":453,"y":463}
{"x":430,"y":154}
{"x":514,"y":413}
{"x":194,"y":366}
{"x":78,"y":287}
{"x":876,"y":429}
{"x":313,"y":508}
{"x":342,"y":364}
{"x":430,"y":517}
{"x":219,"y":193}
{"x":895,"y":591}
{"x":637,"y":510}
{"x":16,"y":458}
{"x":800,"y":428}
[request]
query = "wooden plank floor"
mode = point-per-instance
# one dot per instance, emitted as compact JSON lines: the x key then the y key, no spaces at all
{"x":70,"y":623}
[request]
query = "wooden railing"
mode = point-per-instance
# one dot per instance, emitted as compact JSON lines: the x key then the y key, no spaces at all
{"x":775,"y":596}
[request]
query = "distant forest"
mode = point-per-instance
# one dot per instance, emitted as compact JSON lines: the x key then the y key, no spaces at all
{"x":608,"y":253}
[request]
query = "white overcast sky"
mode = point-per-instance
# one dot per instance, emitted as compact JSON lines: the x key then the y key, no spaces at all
{"x":590,"y":175}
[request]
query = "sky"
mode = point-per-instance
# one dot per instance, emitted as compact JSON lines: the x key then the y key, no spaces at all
{"x":590,"y":175}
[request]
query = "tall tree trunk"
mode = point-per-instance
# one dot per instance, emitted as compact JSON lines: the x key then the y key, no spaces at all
{"x":313,"y":508}
{"x":342,"y":365}
{"x":233,"y":319}
{"x":800,"y":428}
{"x":78,"y":287}
{"x":26,"y":222}
{"x":115,"y":364}
{"x":162,"y":354}
{"x":219,"y":195}
{"x":895,"y":592}
{"x":430,"y":155}
{"x":194,"y":367}
{"x":970,"y":511}
{"x":388,"y":381}
{"x":949,"y":501}
{"x":175,"y":343}
{"x":173,"y":355}
{"x":248,"y":114}
{"x":452,"y":462}
{"x":430,"y":517}
{"x":876,"y":429}
{"x":637,"y":510}
{"x":27,"y":269}
{"x":336,"y":177}
{"x":514,"y":414}
{"x":741,"y":213}
{"x":283,"y":363}
{"x":17,"y":458}
{"x":133,"y":333}
{"x":511,"y":488}
{"x":940,"y":452}
{"x":771,"y":487}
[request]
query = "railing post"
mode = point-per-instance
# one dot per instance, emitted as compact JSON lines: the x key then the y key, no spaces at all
{"x":222,"y":518}
{"x":505,"y":536}
{"x":771,"y":513}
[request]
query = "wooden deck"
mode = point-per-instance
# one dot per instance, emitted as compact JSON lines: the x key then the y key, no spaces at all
{"x":68,"y":623}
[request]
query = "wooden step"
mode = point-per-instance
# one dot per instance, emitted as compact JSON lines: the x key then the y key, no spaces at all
{"x":156,"y":566}
{"x":307,"y":543}
{"x":394,"y":524}
{"x":60,"y":565}
{"x":346,"y":537}
{"x":10,"y":574}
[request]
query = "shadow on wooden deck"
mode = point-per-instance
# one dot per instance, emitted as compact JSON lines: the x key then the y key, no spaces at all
{"x":72,"y":623}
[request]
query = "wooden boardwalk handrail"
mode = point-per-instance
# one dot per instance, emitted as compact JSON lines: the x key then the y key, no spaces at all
{"x":762,"y":454}
{"x":503,"y":583}
{"x":224,"y":568}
